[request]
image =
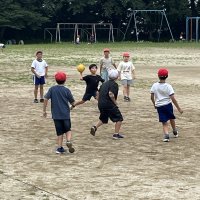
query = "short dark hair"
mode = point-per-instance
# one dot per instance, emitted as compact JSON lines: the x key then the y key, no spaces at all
{"x":92,"y":65}
{"x":60,"y":82}
{"x":38,"y":52}
{"x":163,"y":77}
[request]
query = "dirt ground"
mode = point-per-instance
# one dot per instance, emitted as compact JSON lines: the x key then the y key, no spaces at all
{"x":139,"y":167}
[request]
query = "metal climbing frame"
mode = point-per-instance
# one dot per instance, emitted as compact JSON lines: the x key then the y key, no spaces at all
{"x":84,"y":26}
{"x":134,"y":13}
{"x":191,"y":28}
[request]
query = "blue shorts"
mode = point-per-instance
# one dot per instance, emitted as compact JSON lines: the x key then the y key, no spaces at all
{"x":38,"y":81}
{"x":88,"y":96}
{"x":165,"y":113}
{"x":62,"y":126}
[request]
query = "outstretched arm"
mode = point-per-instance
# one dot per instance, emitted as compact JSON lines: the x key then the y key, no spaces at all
{"x":176,"y":103}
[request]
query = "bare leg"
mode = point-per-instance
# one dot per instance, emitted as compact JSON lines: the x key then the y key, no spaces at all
{"x":79,"y":103}
{"x":60,"y":140}
{"x":173,"y":124}
{"x":125,"y":90}
{"x":165,"y":128}
{"x":68,"y":143}
{"x":41,"y":92}
{"x":128,"y":90}
{"x":68,"y":135}
{"x":36,"y":91}
{"x":118,"y":126}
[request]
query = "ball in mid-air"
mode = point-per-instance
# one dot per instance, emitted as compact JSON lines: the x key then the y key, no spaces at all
{"x":80,"y":68}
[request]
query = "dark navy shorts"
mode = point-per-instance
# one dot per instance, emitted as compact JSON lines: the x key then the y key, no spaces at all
{"x":165,"y":113}
{"x":62,"y":126}
{"x":114,"y":114}
{"x":38,"y":81}
{"x":88,"y":96}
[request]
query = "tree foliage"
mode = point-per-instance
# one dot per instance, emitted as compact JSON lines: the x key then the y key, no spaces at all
{"x":34,"y":14}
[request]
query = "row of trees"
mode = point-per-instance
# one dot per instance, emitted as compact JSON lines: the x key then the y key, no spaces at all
{"x":21,"y":17}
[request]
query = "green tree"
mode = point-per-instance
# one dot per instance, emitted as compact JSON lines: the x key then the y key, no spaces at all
{"x":21,"y":14}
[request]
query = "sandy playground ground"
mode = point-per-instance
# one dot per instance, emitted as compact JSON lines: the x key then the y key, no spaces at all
{"x":139,"y":167}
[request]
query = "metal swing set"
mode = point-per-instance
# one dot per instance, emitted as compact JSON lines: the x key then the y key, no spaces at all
{"x":163,"y":16}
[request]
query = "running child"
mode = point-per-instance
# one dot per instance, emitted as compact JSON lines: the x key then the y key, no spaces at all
{"x":92,"y":83}
{"x":106,"y":63}
{"x":107,"y":103}
{"x":60,"y":97}
{"x":39,"y":69}
{"x":127,"y":74}
{"x":162,"y":96}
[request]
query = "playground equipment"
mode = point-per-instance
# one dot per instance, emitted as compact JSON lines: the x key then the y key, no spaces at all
{"x":163,"y":16}
{"x":189,"y":30}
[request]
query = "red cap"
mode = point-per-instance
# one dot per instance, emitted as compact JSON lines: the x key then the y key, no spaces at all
{"x":162,"y":72}
{"x":60,"y":76}
{"x":106,"y":50}
{"x":126,"y":54}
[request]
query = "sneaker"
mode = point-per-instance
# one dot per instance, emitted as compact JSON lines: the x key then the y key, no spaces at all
{"x":69,"y":145}
{"x":35,"y":101}
{"x":125,"y":98}
{"x":128,"y":99}
{"x":166,"y":138}
{"x":175,"y":133}
{"x":93,"y":130}
{"x":60,"y":150}
{"x":41,"y":100}
{"x":117,"y":136}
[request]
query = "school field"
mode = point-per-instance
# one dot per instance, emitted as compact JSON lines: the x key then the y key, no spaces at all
{"x":139,"y":167}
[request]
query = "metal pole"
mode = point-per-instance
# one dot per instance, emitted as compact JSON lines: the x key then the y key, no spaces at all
{"x":112,"y":33}
{"x":56,"y":32}
{"x":59,"y":32}
{"x":109,"y":34}
{"x":197,"y":29}
{"x":168,"y":26}
{"x":191,"y":29}
{"x":135,"y":20}
{"x":187,"y":32}
{"x":128,"y":26}
{"x":75,"y":33}
{"x":160,"y":27}
{"x":95,"y":33}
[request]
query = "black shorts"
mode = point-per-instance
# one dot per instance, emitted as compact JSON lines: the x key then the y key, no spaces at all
{"x":88,"y":96}
{"x":62,"y":126}
{"x":114,"y":114}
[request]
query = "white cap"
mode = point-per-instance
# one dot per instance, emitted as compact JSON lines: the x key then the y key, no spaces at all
{"x":113,"y":74}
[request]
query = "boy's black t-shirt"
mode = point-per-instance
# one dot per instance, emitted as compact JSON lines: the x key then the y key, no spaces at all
{"x":104,"y":101}
{"x":92,"y":82}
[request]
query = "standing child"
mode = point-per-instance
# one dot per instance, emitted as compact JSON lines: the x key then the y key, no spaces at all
{"x":127,"y":74}
{"x":106,"y":63}
{"x":92,"y":82}
{"x":107,"y":103}
{"x":60,"y":98}
{"x":39,"y":68}
{"x":162,"y":94}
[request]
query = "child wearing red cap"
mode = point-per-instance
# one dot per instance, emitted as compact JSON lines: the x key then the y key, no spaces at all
{"x":162,"y":94}
{"x":106,"y":63}
{"x":60,"y":98}
{"x":127,"y":74}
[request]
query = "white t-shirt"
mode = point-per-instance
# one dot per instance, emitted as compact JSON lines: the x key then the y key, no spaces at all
{"x":1,"y":45}
{"x":39,"y":67}
{"x":125,"y":69}
{"x":107,"y":63}
{"x":162,"y":93}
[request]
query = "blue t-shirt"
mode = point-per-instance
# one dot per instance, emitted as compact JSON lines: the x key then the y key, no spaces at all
{"x":60,"y":98}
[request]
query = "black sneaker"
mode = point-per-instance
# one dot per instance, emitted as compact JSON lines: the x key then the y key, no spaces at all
{"x":117,"y":136}
{"x":35,"y":101}
{"x":93,"y":130}
{"x":69,"y":145}
{"x":166,"y":138}
{"x":175,"y":132}
{"x":60,"y":150}
{"x":41,"y":100}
